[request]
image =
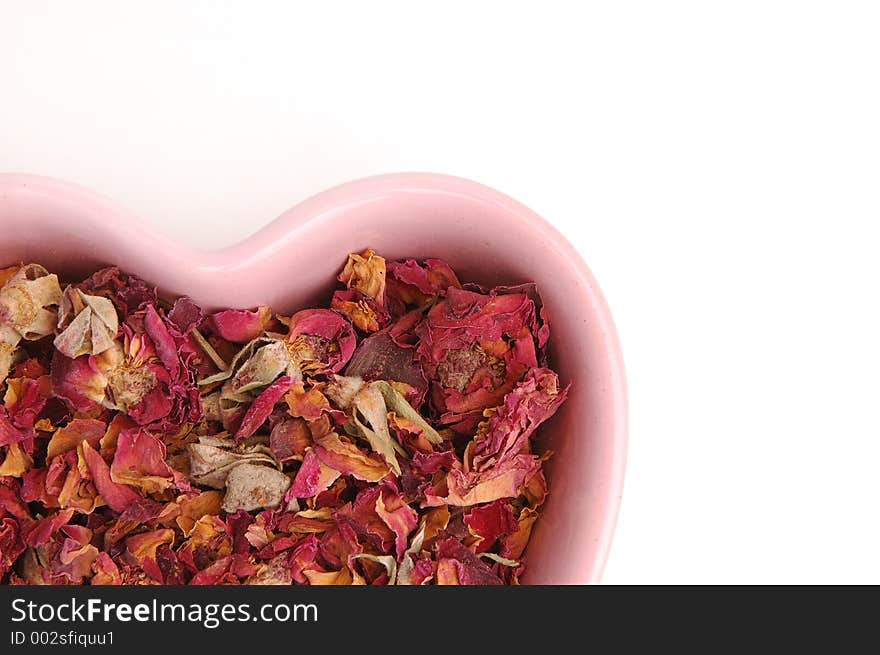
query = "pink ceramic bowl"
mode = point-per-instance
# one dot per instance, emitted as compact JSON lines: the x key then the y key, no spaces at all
{"x":485,"y":236}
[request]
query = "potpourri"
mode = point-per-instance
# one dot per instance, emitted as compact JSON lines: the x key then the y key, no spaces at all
{"x":385,"y":439}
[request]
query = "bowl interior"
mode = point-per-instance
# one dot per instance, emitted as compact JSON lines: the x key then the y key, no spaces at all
{"x":486,"y":237}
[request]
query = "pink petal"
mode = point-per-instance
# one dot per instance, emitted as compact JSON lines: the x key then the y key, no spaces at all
{"x":398,"y":516}
{"x":534,"y":399}
{"x":185,"y":315}
{"x":117,"y":496}
{"x":348,"y":459}
{"x":313,"y":477}
{"x":239,"y":325}
{"x":458,"y":565}
{"x":260,"y":409}
{"x":163,"y":342}
{"x":8,"y":432}
{"x":140,"y":461}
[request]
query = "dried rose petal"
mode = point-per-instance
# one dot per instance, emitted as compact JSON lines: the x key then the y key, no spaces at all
{"x":15,"y":461}
{"x":70,"y":436}
{"x":365,"y":273}
{"x":239,"y":325}
{"x":535,"y":399}
{"x":22,"y":402}
{"x":260,"y":409}
{"x":514,"y":544}
{"x":464,"y":489}
{"x":140,"y":462}
{"x":192,"y":508}
{"x":8,"y":432}
{"x":365,"y":313}
{"x":185,"y":315}
{"x":115,"y":469}
{"x":105,"y":571}
{"x":128,"y":293}
{"x":412,"y":284}
{"x":274,"y":572}
{"x":348,"y":459}
{"x":370,"y":576}
{"x":118,"y":497}
{"x":309,"y":404}
{"x":47,"y":527}
{"x":490,"y":522}
{"x":77,"y":554}
{"x":144,"y":545}
{"x":398,"y":516}
{"x":395,"y":403}
{"x":342,"y":390}
{"x":313,"y":477}
{"x":28,"y":309}
{"x":318,"y":340}
{"x":457,"y":565}
{"x":267,"y":363}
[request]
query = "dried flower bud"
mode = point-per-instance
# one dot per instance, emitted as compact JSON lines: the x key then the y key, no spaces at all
{"x":251,"y":487}
{"x":365,"y":273}
{"x":88,"y":324}
{"x":29,"y":302}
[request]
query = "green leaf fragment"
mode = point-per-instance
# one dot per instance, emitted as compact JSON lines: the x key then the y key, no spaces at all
{"x":395,"y":402}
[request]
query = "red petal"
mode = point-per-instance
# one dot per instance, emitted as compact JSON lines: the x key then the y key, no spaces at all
{"x":117,"y":496}
{"x":260,"y":409}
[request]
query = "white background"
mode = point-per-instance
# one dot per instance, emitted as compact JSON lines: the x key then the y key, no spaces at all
{"x":715,"y":162}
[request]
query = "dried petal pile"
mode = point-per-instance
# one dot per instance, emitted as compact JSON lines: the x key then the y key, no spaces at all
{"x":383,"y":440}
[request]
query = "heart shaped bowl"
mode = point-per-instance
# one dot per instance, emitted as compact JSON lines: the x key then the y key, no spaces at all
{"x":486,"y":237}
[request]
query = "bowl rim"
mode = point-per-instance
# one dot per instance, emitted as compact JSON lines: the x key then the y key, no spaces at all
{"x":356,"y":192}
